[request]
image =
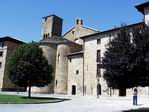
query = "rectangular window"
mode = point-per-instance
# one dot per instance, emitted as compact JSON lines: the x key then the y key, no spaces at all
{"x":56,"y":82}
{"x":98,"y":70}
{"x":98,"y":56}
{"x":77,"y":72}
{"x":98,"y":41}
{"x":1,"y":53}
{"x":0,"y":64}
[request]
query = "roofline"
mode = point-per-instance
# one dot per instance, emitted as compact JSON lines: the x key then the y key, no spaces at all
{"x":68,"y":31}
{"x":68,"y":42}
{"x":96,"y":31}
{"x":140,"y":7}
{"x":114,"y":29}
{"x":53,"y":16}
{"x":90,"y":28}
{"x":8,"y":38}
{"x":75,"y":53}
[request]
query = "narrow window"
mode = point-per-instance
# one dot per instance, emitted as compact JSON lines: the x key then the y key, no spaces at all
{"x":98,"y":41}
{"x":81,"y":22}
{"x":0,"y":64}
{"x":44,"y":36}
{"x":77,"y":72}
{"x":85,"y":89}
{"x":70,"y":60}
{"x":58,"y":57}
{"x":77,"y":21}
{"x":56,"y":82}
{"x":73,"y":32}
{"x":98,"y":56}
{"x":1,"y":53}
{"x":98,"y":70}
{"x":48,"y":34}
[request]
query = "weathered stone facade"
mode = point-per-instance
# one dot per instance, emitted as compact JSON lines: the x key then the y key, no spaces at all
{"x":76,"y":57}
{"x":75,"y":73}
{"x":7,"y":47}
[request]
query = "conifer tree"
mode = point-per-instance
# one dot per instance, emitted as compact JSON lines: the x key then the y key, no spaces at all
{"x":140,"y":65}
{"x":117,"y":61}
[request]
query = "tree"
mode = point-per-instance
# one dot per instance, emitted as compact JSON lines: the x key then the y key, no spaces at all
{"x":117,"y":61}
{"x":28,"y":67}
{"x":140,"y":65}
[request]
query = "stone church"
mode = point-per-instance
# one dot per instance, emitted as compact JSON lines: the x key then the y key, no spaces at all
{"x":76,"y":56}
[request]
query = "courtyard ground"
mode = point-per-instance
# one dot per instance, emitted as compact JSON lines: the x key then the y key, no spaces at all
{"x":79,"y":104}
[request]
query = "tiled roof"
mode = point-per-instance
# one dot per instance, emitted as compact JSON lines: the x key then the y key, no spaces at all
{"x":7,"y":38}
{"x":114,"y":29}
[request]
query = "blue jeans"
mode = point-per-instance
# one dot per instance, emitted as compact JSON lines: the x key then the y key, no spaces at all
{"x":135,"y":100}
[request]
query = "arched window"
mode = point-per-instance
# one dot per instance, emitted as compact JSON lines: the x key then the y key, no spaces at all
{"x":44,"y":35}
{"x":77,"y":22}
{"x":98,"y":89}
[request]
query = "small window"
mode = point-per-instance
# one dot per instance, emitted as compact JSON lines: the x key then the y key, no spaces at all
{"x":98,"y":55}
{"x":44,"y":36}
{"x":84,"y":89}
{"x":58,"y":57}
{"x":98,"y":41}
{"x":1,"y":53}
{"x":77,"y":21}
{"x":81,"y":22}
{"x":56,"y":82}
{"x":70,"y":60}
{"x":98,"y":70}
{"x":2,"y":44}
{"x":73,"y":32}
{"x":77,"y":71}
{"x":0,"y":64}
{"x":48,"y":34}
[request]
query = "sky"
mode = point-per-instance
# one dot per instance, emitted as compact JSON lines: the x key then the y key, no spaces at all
{"x":22,"y":19}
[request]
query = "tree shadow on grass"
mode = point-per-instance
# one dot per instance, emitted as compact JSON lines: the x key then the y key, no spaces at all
{"x":45,"y":99}
{"x":138,"y":110}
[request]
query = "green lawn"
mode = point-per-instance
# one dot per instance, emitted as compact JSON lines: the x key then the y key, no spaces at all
{"x":14,"y":99}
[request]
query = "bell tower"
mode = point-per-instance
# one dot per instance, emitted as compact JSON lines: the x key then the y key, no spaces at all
{"x":52,"y":26}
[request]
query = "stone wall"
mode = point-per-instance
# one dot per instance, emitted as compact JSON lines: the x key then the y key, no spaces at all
{"x":8,"y":50}
{"x":61,"y":76}
{"x":49,"y":51}
{"x":75,"y":74}
{"x":78,"y":31}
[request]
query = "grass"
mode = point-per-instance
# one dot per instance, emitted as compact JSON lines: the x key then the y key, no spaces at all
{"x":15,"y":99}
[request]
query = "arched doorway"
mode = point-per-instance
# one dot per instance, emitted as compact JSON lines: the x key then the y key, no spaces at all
{"x":98,"y":89}
{"x":73,"y":90}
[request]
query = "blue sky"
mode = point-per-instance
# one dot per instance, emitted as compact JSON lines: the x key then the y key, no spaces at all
{"x":23,"y":18}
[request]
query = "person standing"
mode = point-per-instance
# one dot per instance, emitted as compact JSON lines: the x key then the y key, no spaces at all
{"x":135,"y":96}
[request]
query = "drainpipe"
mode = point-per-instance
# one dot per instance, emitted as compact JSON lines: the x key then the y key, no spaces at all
{"x":83,"y":66}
